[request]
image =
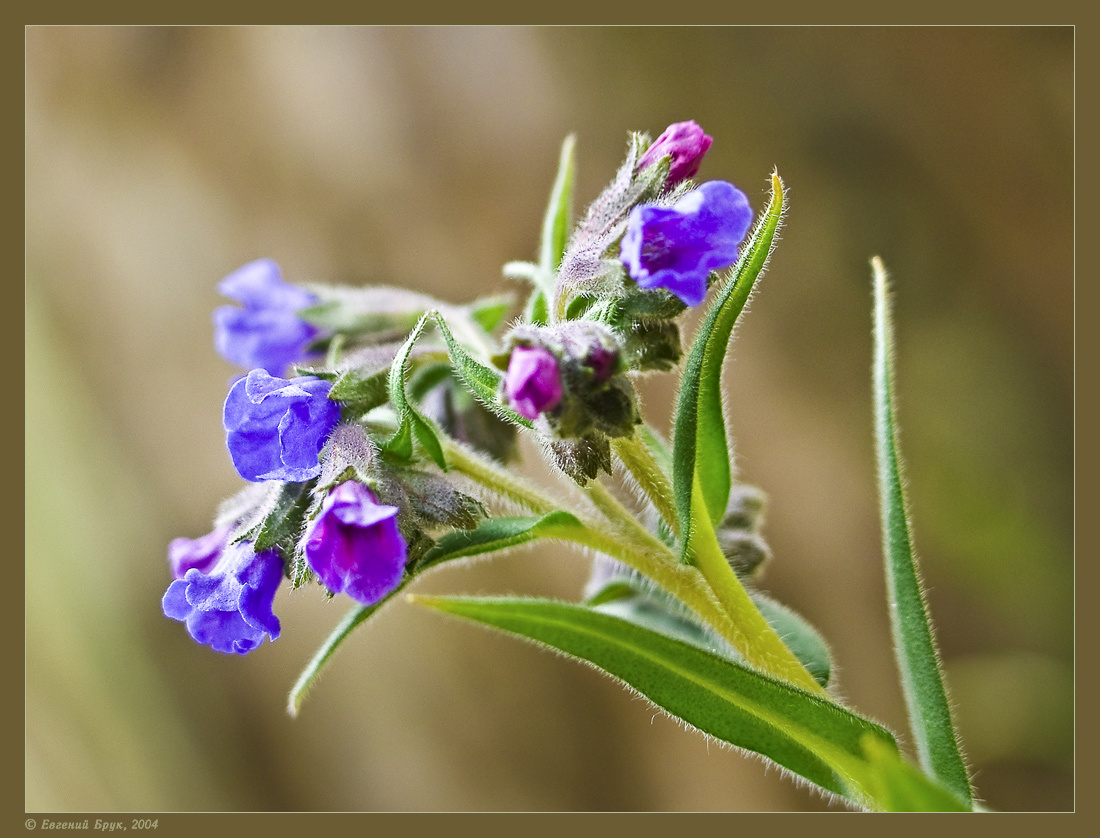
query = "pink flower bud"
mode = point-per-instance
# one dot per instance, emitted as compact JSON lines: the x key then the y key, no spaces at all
{"x":685,"y":143}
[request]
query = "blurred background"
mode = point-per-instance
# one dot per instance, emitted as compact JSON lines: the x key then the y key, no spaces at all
{"x":160,"y":159}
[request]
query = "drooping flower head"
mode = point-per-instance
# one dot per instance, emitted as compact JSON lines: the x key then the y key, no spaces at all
{"x":354,"y":545}
{"x":685,"y":143}
{"x":227,"y":605}
{"x":677,"y":247}
{"x":533,"y":381}
{"x":276,"y":428}
{"x":267,"y":333}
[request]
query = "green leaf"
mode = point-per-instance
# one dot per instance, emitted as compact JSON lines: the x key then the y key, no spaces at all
{"x":412,"y":423}
{"x":902,"y":788}
{"x":483,"y":381}
{"x":361,"y":391}
{"x":537,"y":311}
{"x":812,"y":737}
{"x":558,"y":221}
{"x":700,"y":452}
{"x":283,"y":523}
{"x":489,"y":312}
{"x":494,"y":534}
{"x":914,"y":644}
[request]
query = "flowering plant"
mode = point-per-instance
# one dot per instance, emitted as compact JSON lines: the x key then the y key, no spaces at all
{"x":386,"y":454}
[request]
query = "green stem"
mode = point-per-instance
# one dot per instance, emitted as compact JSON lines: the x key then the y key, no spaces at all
{"x":716,"y":595}
{"x":498,"y":479}
{"x":638,"y":460}
{"x":711,"y":589}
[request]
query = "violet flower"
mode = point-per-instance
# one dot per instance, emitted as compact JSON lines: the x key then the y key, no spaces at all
{"x":354,"y":545}
{"x":267,"y":333}
{"x":685,"y":143}
{"x":677,"y":247}
{"x":276,"y":428}
{"x":201,"y":553}
{"x":533,"y":381}
{"x":228,"y":605}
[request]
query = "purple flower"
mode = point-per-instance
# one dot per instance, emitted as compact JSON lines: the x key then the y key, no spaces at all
{"x":267,"y":333}
{"x":685,"y":143}
{"x":200,"y":553}
{"x":678,"y":247}
{"x":276,"y":428}
{"x":354,"y":545}
{"x":533,"y":381}
{"x":227,"y":606}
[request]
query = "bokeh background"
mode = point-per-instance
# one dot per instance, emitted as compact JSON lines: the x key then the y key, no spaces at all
{"x":160,"y":159}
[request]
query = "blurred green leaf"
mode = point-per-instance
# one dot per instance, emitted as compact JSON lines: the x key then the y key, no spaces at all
{"x":375,"y":308}
{"x":489,"y":312}
{"x":558,"y":220}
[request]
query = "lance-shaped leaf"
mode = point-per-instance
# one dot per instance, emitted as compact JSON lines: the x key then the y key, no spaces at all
{"x":411,"y":423}
{"x":700,"y":454}
{"x":914,"y":644}
{"x":490,"y":535}
{"x":806,"y":734}
{"x":494,"y":534}
{"x":559,"y":217}
{"x":556,"y":225}
{"x":483,"y":381}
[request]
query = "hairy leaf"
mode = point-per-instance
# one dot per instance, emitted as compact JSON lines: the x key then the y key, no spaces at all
{"x":813,"y":737}
{"x":914,"y":643}
{"x":700,"y":453}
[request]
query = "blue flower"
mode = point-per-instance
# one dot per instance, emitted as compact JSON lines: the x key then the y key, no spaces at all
{"x":677,"y":247}
{"x":267,"y":333}
{"x":228,"y":606}
{"x":354,"y":545}
{"x":276,"y":428}
{"x":202,"y":553}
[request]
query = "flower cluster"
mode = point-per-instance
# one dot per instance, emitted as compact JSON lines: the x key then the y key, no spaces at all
{"x":346,"y":457}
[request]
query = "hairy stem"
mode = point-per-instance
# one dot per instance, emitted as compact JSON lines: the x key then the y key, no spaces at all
{"x":638,"y":460}
{"x":711,"y":589}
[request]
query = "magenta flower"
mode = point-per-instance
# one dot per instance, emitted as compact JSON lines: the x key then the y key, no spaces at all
{"x":226,"y":604}
{"x":533,"y":381}
{"x":276,"y":427}
{"x":677,"y":247}
{"x":354,"y":545}
{"x":685,"y":143}
{"x":267,"y":333}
